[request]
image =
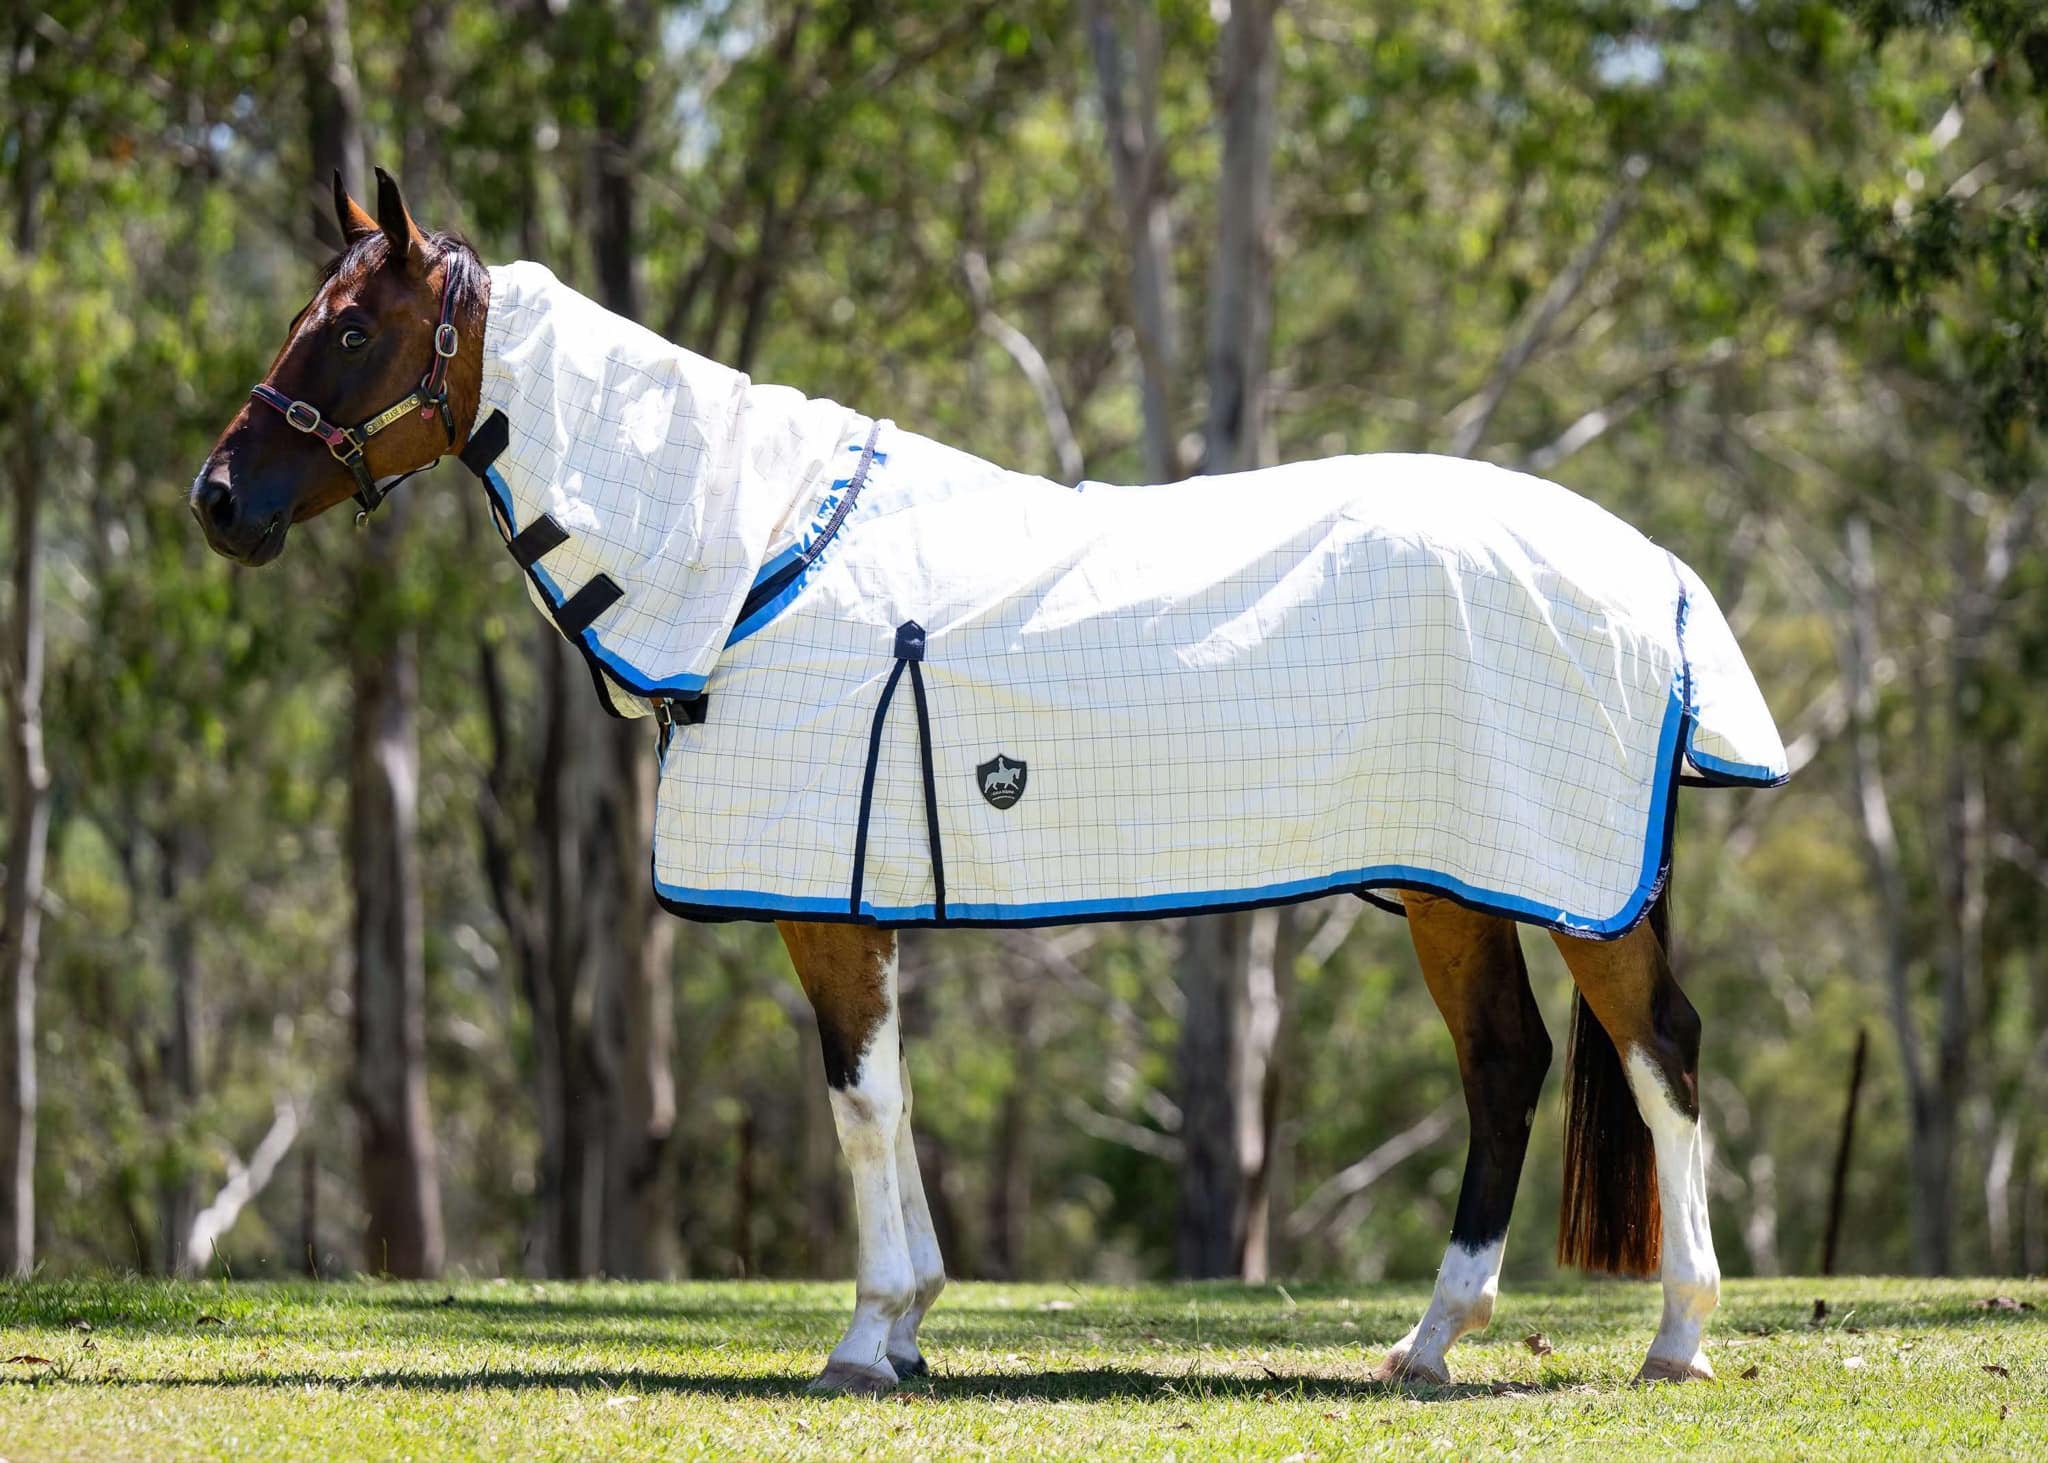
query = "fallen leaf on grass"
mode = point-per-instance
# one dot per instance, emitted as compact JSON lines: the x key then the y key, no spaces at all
{"x":78,"y":1323}
{"x":26,"y":1360}
{"x":1269,"y":1371}
{"x":1996,"y":1370}
{"x":1750,"y":1372}
{"x":1183,"y":1427}
{"x":1538,"y":1344}
{"x":209,"y":1320}
{"x":802,"y":1426}
{"x":2004,"y":1411}
{"x":2001,"y":1303}
{"x":1852,"y":1362}
{"x":1854,"y":1330}
{"x":625,"y":1399}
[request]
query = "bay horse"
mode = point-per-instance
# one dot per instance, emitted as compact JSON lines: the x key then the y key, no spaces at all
{"x":394,"y":339}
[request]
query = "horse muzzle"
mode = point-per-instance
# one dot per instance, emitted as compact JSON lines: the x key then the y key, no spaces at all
{"x":224,"y":515}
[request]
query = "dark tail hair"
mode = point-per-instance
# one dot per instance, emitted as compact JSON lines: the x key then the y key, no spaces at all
{"x":1609,"y":1220}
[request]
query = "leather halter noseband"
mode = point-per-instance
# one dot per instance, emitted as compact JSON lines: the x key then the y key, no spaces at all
{"x":348,"y":443}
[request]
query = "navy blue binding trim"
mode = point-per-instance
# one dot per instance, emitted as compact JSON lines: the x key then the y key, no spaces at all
{"x":931,"y":789}
{"x":536,"y":539}
{"x":793,"y":568}
{"x":867,"y":787}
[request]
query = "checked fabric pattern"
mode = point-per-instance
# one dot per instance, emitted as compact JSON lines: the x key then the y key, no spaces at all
{"x":1365,"y":672}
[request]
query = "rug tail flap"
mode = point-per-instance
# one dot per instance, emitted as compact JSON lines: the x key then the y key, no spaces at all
{"x":1733,"y":737}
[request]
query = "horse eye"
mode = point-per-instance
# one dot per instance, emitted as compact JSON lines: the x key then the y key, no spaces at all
{"x":353,"y":340}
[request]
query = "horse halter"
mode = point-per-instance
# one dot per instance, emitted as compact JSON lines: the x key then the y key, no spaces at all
{"x":348,"y":443}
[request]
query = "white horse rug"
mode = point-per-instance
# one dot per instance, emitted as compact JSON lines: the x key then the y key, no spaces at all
{"x":898,"y":684}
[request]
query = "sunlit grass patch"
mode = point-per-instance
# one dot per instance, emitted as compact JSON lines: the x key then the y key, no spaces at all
{"x":518,"y":1369}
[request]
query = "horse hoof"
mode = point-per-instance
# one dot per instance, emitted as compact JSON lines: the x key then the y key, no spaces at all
{"x":1402,"y":1366}
{"x":909,"y":1366}
{"x":845,"y":1378}
{"x":1665,"y":1369}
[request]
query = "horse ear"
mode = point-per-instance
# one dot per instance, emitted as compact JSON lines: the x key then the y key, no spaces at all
{"x":355,"y":223}
{"x":397,"y":224}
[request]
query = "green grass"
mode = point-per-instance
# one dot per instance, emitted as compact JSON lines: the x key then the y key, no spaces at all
{"x":153,"y":1371}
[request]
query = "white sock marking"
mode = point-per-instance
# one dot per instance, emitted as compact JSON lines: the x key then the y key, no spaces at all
{"x":1461,"y":1304}
{"x":1692,"y":1276}
{"x":868,"y":1113}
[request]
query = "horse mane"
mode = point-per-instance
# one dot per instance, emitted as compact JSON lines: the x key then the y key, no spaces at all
{"x":467,"y":278}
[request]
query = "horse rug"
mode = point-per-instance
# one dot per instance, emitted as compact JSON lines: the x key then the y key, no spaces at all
{"x":899,"y":684}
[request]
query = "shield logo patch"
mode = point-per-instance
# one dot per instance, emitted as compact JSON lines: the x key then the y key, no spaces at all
{"x":1001,"y":780}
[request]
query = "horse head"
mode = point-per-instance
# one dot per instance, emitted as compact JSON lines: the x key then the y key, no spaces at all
{"x":396,"y":311}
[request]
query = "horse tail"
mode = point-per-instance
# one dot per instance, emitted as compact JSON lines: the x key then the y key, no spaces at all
{"x":1609,"y":1220}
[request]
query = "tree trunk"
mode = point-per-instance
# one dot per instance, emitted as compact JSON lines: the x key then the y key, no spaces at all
{"x":644,"y":1233}
{"x":1223,"y":1063}
{"x":1240,"y":278}
{"x":401,"y":1190}
{"x":178,"y":1202}
{"x":28,"y":806}
{"x":1131,"y":128}
{"x":1929,"y":1130}
{"x":1009,"y":1189}
{"x":1209,"y":1229}
{"x":388,"y":1087}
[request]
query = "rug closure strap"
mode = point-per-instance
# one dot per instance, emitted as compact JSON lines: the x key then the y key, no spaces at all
{"x":536,"y":539}
{"x":486,"y":443}
{"x":910,"y":647}
{"x":580,"y":609}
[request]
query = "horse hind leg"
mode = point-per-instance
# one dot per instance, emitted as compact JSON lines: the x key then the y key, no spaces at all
{"x":1473,"y":965}
{"x":849,"y":973}
{"x":1649,"y":1031}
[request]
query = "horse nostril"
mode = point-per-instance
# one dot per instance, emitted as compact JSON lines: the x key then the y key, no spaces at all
{"x":216,"y":499}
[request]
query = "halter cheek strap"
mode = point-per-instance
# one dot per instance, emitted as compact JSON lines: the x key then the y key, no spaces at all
{"x":348,"y":444}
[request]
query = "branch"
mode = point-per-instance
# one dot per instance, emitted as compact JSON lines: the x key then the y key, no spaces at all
{"x":1123,"y":1132}
{"x":1349,"y":1183}
{"x":1331,"y":934}
{"x":1476,"y":415}
{"x":244,"y":1183}
{"x":1591,"y":426}
{"x":1031,"y":363}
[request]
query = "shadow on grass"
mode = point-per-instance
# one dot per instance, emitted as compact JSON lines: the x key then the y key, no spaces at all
{"x":1093,"y":1384}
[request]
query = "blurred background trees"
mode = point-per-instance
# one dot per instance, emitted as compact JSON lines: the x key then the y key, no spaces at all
{"x":346,"y":957}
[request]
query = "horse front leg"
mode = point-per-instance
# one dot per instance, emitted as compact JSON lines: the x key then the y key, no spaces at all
{"x":849,"y":973}
{"x":927,"y":1266}
{"x":1473,"y":965}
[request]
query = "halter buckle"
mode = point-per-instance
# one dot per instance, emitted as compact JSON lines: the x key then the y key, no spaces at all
{"x":445,"y":342}
{"x":303,"y":415}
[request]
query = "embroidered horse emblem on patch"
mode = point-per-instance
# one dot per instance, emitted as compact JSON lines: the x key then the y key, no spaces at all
{"x":1001,"y":780}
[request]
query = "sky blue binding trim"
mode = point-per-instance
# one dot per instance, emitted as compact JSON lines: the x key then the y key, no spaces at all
{"x":629,"y":676}
{"x":1656,"y":846}
{"x":1719,"y":769}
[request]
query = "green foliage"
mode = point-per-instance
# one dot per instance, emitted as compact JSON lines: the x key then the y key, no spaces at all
{"x":1823,"y":299}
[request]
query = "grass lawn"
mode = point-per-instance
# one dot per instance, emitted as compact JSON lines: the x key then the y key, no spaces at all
{"x":147,"y":1370}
